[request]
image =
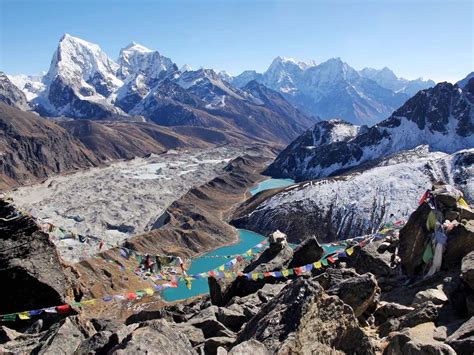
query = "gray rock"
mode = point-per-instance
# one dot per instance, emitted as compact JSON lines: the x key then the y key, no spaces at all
{"x":427,"y":312}
{"x":460,"y":243}
{"x":211,"y":344}
{"x":467,"y":269}
{"x":413,"y":238}
{"x":369,"y":259}
{"x":231,"y":318}
{"x":462,"y":340}
{"x":307,"y":252}
{"x":194,"y":334}
{"x":434,"y":295}
{"x":359,"y":292}
{"x":252,"y":347}
{"x":155,"y":337}
{"x":465,"y":213}
{"x":301,"y":318}
{"x":388,"y":310}
{"x":208,"y":323}
{"x":416,"y":340}
{"x":36,"y":327}
{"x":64,"y":337}
{"x":100,"y":342}
{"x":7,"y":334}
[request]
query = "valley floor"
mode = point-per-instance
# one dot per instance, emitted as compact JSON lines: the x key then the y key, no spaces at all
{"x":121,"y":200}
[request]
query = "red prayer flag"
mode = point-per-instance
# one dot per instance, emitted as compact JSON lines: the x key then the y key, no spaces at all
{"x":131,"y":295}
{"x":65,"y":308}
{"x":424,"y":197}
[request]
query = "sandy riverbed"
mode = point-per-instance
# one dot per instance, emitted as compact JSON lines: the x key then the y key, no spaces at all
{"x":120,"y":200}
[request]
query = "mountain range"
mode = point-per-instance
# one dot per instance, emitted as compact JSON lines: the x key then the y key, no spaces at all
{"x":333,"y":89}
{"x":441,"y":117}
{"x":143,"y":85}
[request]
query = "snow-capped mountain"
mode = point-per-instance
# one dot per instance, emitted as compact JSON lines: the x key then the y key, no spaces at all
{"x":83,"y":82}
{"x":80,"y":82}
{"x":10,"y":94}
{"x":31,"y":85}
{"x":441,"y":117}
{"x":359,"y":202}
{"x":386,"y":78}
{"x":334,"y":89}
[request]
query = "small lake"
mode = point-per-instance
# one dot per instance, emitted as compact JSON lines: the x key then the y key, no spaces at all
{"x":247,"y":240}
{"x":271,"y":184}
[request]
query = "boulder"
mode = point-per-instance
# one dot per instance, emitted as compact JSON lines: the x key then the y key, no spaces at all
{"x":467,"y":269}
{"x":388,"y":310}
{"x":306,"y":253}
{"x":417,"y":340}
{"x":7,"y":334}
{"x":462,"y":340}
{"x":232,"y":319}
{"x":252,"y":347}
{"x":413,"y":239}
{"x":208,"y":323}
{"x":301,"y":318}
{"x":370,"y":259}
{"x":460,"y":243}
{"x":211,"y":344}
{"x":195,"y":335}
{"x":434,"y":295}
{"x":100,"y":342}
{"x":465,"y":213}
{"x":155,"y":336}
{"x":427,"y":312}
{"x":359,"y":292}
{"x":334,"y":276}
{"x":65,"y":336}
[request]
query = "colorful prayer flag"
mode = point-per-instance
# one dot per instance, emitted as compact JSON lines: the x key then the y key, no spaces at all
{"x":350,"y":251}
{"x":24,"y":315}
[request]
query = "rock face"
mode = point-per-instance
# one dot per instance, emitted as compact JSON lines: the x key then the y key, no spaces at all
{"x":298,"y":318}
{"x":34,"y":148}
{"x":30,"y":266}
{"x":441,"y":117}
{"x":10,"y":94}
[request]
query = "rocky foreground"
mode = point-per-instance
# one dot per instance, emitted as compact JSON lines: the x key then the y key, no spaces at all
{"x":377,"y":300}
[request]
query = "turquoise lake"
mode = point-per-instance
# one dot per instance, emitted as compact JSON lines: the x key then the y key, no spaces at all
{"x":271,"y":184}
{"x":248,"y":240}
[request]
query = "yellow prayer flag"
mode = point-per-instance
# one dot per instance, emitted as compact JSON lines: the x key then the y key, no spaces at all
{"x":88,"y":302}
{"x":228,"y":275}
{"x":149,"y":291}
{"x":249,"y":252}
{"x":463,"y":202}
{"x":255,"y":276}
{"x":350,"y":251}
{"x":285,"y":272}
{"x":222,"y":268}
{"x":24,"y":315}
{"x":317,"y":264}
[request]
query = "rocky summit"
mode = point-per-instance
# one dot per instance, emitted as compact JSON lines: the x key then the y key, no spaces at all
{"x":382,"y":295}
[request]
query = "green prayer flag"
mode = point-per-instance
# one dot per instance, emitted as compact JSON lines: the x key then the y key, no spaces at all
{"x":9,"y":317}
{"x":431,"y":221}
{"x":428,"y":254}
{"x":324,"y":262}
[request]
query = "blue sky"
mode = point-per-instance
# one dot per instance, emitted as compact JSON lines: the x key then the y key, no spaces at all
{"x":432,"y":39}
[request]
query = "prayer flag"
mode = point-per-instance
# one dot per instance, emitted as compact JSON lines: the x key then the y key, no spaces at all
{"x":463,"y":202}
{"x":285,"y":272}
{"x":255,"y":276}
{"x":131,"y":295}
{"x":158,"y":287}
{"x":290,"y":272}
{"x":331,"y":259}
{"x":35,"y":312}
{"x":350,"y":251}
{"x":188,"y":283}
{"x":89,"y":302}
{"x":149,"y":291}
{"x":24,"y":315}
{"x":51,"y":310}
{"x":298,"y":270}
{"x":278,"y":274}
{"x":317,"y":264}
{"x":324,"y":262}
{"x":309,"y":267}
{"x":9,"y":317}
{"x":221,"y":268}
{"x":107,"y":298}
{"x":63,"y":309}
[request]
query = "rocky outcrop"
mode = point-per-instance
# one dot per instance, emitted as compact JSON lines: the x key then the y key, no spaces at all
{"x":299,"y":318}
{"x":417,"y":235}
{"x":462,"y":340}
{"x":34,"y":148}
{"x":467,"y":269}
{"x":31,"y":269}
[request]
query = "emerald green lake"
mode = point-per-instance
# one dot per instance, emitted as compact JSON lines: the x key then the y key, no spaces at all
{"x":247,"y":240}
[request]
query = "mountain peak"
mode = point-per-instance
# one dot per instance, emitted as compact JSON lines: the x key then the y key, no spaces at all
{"x":136,"y":47}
